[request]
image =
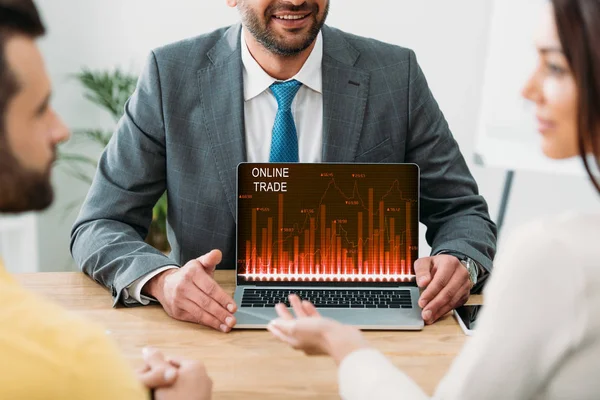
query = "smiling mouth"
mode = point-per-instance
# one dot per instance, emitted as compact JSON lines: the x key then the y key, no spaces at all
{"x":290,"y":17}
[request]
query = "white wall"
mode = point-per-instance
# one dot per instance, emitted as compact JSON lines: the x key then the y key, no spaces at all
{"x":19,"y":242}
{"x":450,"y":39}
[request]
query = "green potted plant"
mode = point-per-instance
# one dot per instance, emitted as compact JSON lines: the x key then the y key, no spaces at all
{"x":110,"y":91}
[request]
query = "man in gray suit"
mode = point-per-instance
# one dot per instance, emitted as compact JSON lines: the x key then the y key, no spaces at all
{"x":281,"y":86}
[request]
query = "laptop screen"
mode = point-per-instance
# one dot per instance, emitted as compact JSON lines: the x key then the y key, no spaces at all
{"x":327,"y":224}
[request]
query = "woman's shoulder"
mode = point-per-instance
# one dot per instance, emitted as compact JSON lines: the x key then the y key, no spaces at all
{"x":576,"y":224}
{"x":556,"y":242}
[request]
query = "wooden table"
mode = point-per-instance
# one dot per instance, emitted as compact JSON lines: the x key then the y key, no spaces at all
{"x":245,"y":364}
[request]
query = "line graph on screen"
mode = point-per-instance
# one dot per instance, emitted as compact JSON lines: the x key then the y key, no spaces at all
{"x":345,"y":226}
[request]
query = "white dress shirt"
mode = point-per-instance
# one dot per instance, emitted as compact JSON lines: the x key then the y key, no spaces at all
{"x":260,"y":109}
{"x":538,"y":336}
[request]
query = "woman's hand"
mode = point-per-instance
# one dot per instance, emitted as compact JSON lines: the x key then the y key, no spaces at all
{"x":313,"y":334}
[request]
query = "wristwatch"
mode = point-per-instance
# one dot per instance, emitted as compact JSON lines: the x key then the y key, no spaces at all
{"x":470,"y":265}
{"x":472,"y":269}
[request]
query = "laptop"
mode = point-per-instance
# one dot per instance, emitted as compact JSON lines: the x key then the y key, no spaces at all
{"x":344,"y":236}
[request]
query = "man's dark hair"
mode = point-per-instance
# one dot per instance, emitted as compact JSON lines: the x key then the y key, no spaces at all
{"x":17,"y":17}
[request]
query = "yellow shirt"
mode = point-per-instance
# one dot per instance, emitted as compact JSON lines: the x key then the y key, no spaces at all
{"x":47,"y":353}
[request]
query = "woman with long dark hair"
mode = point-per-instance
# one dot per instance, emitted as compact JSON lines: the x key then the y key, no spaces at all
{"x":539,"y":334}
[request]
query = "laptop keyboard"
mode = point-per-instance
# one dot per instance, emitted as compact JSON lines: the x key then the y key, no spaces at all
{"x":330,"y":298}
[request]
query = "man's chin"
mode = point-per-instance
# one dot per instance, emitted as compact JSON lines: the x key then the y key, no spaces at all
{"x":42,"y":196}
{"x":291,"y":44}
{"x":24,"y":207}
{"x":291,"y":50}
{"x":22,"y":189}
{"x":27,"y":199}
{"x":43,"y":203}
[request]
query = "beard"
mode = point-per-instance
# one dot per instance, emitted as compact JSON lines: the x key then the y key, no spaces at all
{"x":21,"y":189}
{"x":259,"y":27}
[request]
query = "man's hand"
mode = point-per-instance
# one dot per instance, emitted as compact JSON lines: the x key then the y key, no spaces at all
{"x":192,"y":382}
{"x":173,"y":378}
{"x":156,"y":372}
{"x":447,"y":285}
{"x":313,"y":334}
{"x":191,"y":294}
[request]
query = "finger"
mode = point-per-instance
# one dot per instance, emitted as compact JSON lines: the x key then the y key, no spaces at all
{"x":423,"y":271}
{"x":203,"y":317}
{"x":438,"y":282}
{"x":448,"y":293}
{"x":152,"y":356}
{"x":279,"y":334}
{"x":210,"y":261}
{"x":183,"y":315}
{"x":310,"y":309}
{"x":458,"y":300}
{"x":157,"y":372}
{"x":461,"y":300}
{"x":143,"y":369}
{"x":182,"y":362}
{"x":206,"y":303}
{"x":440,"y":313}
{"x":283,"y":311}
{"x":297,"y":306}
{"x":158,"y":377}
{"x":209,"y":286}
{"x":175,"y":362}
{"x":285,"y":326}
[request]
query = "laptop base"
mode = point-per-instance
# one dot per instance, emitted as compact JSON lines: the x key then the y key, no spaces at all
{"x":362,"y":318}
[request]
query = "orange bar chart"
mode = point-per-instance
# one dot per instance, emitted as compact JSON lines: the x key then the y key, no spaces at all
{"x":365,"y":231}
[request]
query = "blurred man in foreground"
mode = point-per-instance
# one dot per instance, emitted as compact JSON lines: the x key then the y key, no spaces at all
{"x":48,"y":353}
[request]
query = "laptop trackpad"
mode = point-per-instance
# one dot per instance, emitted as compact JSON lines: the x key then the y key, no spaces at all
{"x":372,"y":319}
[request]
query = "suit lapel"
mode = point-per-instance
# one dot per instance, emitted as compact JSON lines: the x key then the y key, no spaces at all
{"x":345,"y":93}
{"x":222,"y":96}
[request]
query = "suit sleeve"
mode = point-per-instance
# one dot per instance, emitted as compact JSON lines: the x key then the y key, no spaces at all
{"x":107,"y":240}
{"x":456,"y":216}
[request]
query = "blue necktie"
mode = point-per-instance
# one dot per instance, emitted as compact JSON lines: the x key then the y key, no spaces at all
{"x":284,"y":144}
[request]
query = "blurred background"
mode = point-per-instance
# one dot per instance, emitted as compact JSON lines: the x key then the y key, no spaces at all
{"x":88,"y":41}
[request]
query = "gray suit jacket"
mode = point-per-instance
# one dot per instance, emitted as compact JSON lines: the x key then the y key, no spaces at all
{"x":183,"y":132}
